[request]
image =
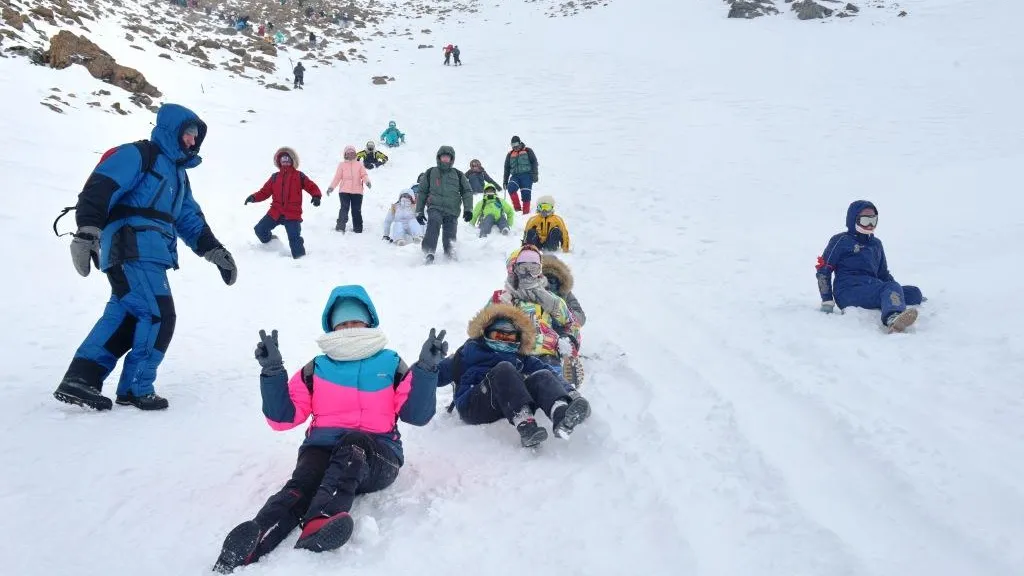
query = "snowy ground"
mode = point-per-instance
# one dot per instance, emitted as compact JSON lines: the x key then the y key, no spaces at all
{"x":702,"y":165}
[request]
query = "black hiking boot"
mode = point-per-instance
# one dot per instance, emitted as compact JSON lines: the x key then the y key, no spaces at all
{"x":79,"y":393}
{"x":323,"y":534}
{"x":568,"y":416}
{"x":239,"y":547}
{"x":340,"y":227}
{"x":145,"y":402}
{"x":530,"y":434}
{"x":428,"y":259}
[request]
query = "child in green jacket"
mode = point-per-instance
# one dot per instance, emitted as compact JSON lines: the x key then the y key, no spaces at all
{"x":491,"y":210}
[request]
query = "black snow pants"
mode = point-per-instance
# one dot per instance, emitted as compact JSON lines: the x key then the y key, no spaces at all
{"x":324,"y":483}
{"x":504,"y":391}
{"x":436,"y":220}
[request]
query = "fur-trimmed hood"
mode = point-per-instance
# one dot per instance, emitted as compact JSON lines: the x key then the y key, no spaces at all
{"x":490,"y":313}
{"x":560,"y":270}
{"x":289,"y":151}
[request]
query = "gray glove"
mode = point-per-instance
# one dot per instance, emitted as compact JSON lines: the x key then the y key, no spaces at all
{"x":268,"y":354}
{"x":222,"y":259}
{"x":84,"y":247}
{"x":434,"y":351}
{"x":547,"y":300}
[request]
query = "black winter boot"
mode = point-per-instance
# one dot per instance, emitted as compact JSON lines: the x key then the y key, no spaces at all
{"x":77,"y":392}
{"x":145,"y":402}
{"x":239,"y":547}
{"x":565,"y":417}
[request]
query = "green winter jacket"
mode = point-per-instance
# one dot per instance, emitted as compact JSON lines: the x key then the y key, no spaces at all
{"x":494,"y":208}
{"x":444,"y":188}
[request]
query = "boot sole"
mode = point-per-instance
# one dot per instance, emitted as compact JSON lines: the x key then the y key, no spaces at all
{"x":575,"y":414}
{"x":147,"y":408}
{"x":904,"y":320}
{"x":76,"y":401}
{"x":238,"y":548}
{"x":330,"y":536}
{"x":536,"y":438}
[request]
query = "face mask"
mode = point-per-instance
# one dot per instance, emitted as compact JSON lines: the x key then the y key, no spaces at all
{"x":405,"y":202}
{"x":499,"y":346}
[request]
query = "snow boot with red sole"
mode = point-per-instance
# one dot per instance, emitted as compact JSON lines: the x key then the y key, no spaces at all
{"x":323,"y":534}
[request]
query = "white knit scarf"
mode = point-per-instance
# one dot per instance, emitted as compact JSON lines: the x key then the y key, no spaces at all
{"x":352,"y":343}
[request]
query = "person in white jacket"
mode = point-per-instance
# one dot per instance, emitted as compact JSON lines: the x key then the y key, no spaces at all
{"x":400,"y":225}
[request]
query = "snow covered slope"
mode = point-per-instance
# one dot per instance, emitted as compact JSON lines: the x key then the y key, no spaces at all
{"x":702,"y":164}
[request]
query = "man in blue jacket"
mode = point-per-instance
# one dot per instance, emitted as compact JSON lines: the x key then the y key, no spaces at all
{"x":130,"y":212}
{"x":862,"y":274}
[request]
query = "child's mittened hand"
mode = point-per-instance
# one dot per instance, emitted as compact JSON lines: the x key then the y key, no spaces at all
{"x":268,"y":354}
{"x":434,"y":350}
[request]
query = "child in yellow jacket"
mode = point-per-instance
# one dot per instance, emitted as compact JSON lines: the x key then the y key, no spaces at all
{"x":545,"y":229}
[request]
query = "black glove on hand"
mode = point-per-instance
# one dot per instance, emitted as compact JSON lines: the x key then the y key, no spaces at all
{"x":222,"y":259}
{"x":388,"y":238}
{"x":467,"y":215}
{"x":421,"y":219}
{"x":84,"y":247}
{"x":268,"y":354}
{"x":249,"y":199}
{"x":434,"y":351}
{"x":316,"y":201}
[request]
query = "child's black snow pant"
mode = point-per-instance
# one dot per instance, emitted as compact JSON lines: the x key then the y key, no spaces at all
{"x":355,"y":202}
{"x":552,"y":243}
{"x":504,"y":391}
{"x":325,"y":482}
{"x":436,"y":219}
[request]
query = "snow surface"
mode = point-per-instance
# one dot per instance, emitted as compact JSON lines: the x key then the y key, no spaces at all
{"x":702,"y":164}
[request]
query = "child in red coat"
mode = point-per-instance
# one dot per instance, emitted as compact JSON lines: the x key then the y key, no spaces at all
{"x":285,"y":187}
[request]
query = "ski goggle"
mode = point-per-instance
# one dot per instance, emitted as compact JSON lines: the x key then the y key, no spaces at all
{"x":865,"y":221}
{"x":545,"y":207}
{"x":500,"y":336}
{"x":527,"y":268}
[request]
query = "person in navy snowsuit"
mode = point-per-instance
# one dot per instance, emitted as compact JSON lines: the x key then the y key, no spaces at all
{"x":129,"y":214}
{"x":862,"y":276}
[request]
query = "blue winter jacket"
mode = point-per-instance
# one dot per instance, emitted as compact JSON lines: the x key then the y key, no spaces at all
{"x":475,"y":359}
{"x":141,"y":213}
{"x":852,"y":256}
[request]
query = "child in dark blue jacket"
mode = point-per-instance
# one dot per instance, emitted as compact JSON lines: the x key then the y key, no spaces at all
{"x":495,"y":378}
{"x":863,"y":279}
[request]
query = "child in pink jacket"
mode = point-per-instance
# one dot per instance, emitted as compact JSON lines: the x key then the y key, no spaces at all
{"x":350,"y":176}
{"x":356,"y":391}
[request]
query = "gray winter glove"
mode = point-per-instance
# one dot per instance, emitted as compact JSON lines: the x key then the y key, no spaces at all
{"x":84,"y":247}
{"x":434,"y":351}
{"x":268,"y":354}
{"x":828,"y":307}
{"x":547,"y":300}
{"x":222,"y":259}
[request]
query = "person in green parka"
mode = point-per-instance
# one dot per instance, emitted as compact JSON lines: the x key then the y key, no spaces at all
{"x":491,"y":210}
{"x":443,"y":189}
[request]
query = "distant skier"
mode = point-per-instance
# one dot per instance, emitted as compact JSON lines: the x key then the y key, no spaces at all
{"x":371,"y":157}
{"x":400,"y":225}
{"x":497,"y":377}
{"x":285,"y":188}
{"x":545,"y":229}
{"x":392,"y":136}
{"x":448,"y":54}
{"x":351,"y":176}
{"x":478,"y":176}
{"x":443,"y":189}
{"x":455,"y":54}
{"x":521,"y":173}
{"x":857,"y":259}
{"x":312,"y":40}
{"x":356,"y":391}
{"x":491,"y":211}
{"x":128,"y":228}
{"x":299,"y":72}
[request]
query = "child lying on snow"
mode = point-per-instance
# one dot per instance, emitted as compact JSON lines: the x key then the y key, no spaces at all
{"x":356,"y":392}
{"x":496,"y":376}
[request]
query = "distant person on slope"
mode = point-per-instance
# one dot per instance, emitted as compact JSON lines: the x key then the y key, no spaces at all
{"x":356,"y":391}
{"x":455,"y":54}
{"x":299,"y":72}
{"x":545,"y":229}
{"x":527,"y":289}
{"x":857,"y":259}
{"x":285,"y":188}
{"x":350,"y":175}
{"x":128,"y":228}
{"x":497,"y":377}
{"x":392,"y":136}
{"x":443,"y":189}
{"x":448,"y":54}
{"x":478,"y":177}
{"x":371,"y":157}
{"x":400,"y":225}
{"x":490,"y":211}
{"x":521,"y":173}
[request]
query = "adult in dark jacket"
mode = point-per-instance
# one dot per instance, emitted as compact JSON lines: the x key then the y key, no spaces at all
{"x":857,"y":259}
{"x":521,"y":173}
{"x":129,"y":220}
{"x":443,"y":189}
{"x":457,"y":54}
{"x":478,"y":177}
{"x":299,"y":71}
{"x":285,"y":188}
{"x":496,"y":377}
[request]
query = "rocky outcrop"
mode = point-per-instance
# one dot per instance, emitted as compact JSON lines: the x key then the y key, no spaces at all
{"x":67,"y":49}
{"x":751,"y":8}
{"x":810,"y":10}
{"x":13,"y":18}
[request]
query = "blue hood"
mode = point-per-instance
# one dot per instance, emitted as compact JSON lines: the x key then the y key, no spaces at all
{"x":353,"y":291}
{"x":853,"y":210}
{"x":170,"y":120}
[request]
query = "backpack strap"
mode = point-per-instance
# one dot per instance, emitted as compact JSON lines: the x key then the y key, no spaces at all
{"x":307,"y":375}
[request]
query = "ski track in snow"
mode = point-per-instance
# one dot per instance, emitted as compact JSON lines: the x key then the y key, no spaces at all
{"x":701,"y":164}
